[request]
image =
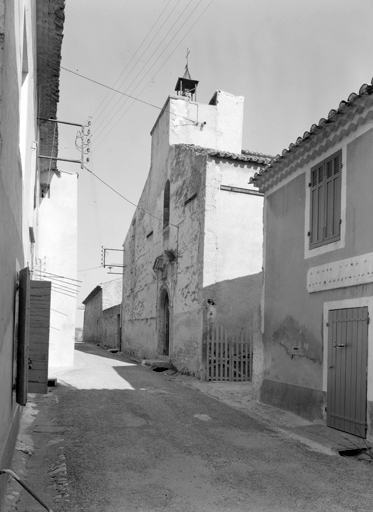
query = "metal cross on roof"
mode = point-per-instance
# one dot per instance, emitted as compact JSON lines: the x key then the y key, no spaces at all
{"x":186,"y":72}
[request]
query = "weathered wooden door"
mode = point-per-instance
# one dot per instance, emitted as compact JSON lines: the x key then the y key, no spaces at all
{"x":40,"y":303}
{"x":347,"y":370}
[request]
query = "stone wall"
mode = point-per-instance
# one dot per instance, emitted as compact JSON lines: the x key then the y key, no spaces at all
{"x":92,"y":316}
{"x":109,"y":328}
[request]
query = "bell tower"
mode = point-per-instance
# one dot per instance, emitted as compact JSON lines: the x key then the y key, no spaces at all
{"x":185,"y":86}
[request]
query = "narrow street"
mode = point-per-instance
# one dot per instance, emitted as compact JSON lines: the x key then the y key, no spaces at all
{"x":115,"y":436}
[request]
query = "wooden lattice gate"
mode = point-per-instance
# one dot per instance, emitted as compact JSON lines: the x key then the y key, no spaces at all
{"x":227,"y":357}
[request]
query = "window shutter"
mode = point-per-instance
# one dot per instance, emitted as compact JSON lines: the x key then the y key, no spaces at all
{"x":317,"y":204}
{"x":337,"y":195}
{"x":325,"y":201}
{"x":333,"y":198}
{"x":23,"y":336}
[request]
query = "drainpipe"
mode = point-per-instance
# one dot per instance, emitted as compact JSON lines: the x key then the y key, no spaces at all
{"x":16,"y":477}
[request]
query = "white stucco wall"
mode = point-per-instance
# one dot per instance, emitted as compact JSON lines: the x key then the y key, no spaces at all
{"x":58,"y":255}
{"x":233,"y":240}
{"x":182,"y":121}
{"x":233,"y":224}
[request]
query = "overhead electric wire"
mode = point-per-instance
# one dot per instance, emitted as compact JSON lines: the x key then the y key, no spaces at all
{"x":124,"y":94}
{"x":137,"y":52}
{"x":146,"y":63}
{"x":169,"y":56}
{"x":125,"y":198}
{"x":151,"y":67}
{"x":67,"y":295}
{"x":53,"y":280}
{"x":63,"y":288}
{"x":56,"y":275}
{"x":64,"y":314}
{"x":93,"y":268}
{"x":112,"y":89}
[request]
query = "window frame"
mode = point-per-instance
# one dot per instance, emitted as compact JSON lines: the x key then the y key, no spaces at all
{"x":328,"y":192}
{"x":166,"y":204}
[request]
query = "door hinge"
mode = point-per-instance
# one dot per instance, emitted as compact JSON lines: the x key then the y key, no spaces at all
{"x":368,"y":320}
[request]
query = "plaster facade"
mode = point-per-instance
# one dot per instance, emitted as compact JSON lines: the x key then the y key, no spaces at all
{"x":29,"y":36}
{"x":57,"y":256}
{"x":203,"y":267}
{"x":301,"y":284}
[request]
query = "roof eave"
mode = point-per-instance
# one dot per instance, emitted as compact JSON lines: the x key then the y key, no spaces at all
{"x":336,"y":119}
{"x":49,"y":32}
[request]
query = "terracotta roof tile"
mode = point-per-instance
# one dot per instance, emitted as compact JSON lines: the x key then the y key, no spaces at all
{"x":315,"y":141}
{"x":50,"y":22}
{"x":245,"y":156}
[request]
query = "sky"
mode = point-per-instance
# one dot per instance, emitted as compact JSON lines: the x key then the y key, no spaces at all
{"x":292,"y":60}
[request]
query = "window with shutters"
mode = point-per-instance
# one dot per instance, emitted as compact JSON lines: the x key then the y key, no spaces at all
{"x":166,"y":204}
{"x":325,"y":201}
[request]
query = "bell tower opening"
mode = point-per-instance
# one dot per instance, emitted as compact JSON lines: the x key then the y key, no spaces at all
{"x":185,"y":85}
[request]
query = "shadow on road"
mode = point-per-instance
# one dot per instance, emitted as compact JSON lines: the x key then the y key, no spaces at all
{"x":95,"y":368}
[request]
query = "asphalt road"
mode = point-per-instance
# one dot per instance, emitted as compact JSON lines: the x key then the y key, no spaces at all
{"x":123,"y":438}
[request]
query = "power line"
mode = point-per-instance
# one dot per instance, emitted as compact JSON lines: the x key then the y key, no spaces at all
{"x":112,"y":89}
{"x":125,"y":198}
{"x":146,"y":63}
{"x":86,"y":269}
{"x":134,"y":55}
{"x":182,"y":117}
{"x":133,"y":67}
{"x":124,"y":94}
{"x":151,"y":67}
{"x":57,"y":275}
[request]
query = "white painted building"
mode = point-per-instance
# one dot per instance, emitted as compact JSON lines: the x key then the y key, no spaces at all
{"x":37,"y":211}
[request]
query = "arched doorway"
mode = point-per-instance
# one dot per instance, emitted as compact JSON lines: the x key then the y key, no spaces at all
{"x":164,"y":324}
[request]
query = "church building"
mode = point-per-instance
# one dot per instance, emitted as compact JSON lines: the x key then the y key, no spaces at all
{"x":193,"y":253}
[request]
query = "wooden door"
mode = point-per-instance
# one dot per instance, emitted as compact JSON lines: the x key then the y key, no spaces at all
{"x":40,"y":302}
{"x":347,"y":370}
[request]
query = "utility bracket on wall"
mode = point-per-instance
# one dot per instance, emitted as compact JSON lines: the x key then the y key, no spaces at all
{"x":104,"y":254}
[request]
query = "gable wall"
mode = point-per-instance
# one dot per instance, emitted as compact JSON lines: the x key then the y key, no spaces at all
{"x":92,"y":315}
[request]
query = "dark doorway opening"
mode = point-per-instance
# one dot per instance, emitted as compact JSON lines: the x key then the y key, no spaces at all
{"x":164,"y":324}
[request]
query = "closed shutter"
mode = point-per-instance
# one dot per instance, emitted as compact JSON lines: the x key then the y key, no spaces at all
{"x":325,"y":201}
{"x":317,"y":204}
{"x":40,"y":303}
{"x":23,"y":336}
{"x":333,"y":202}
